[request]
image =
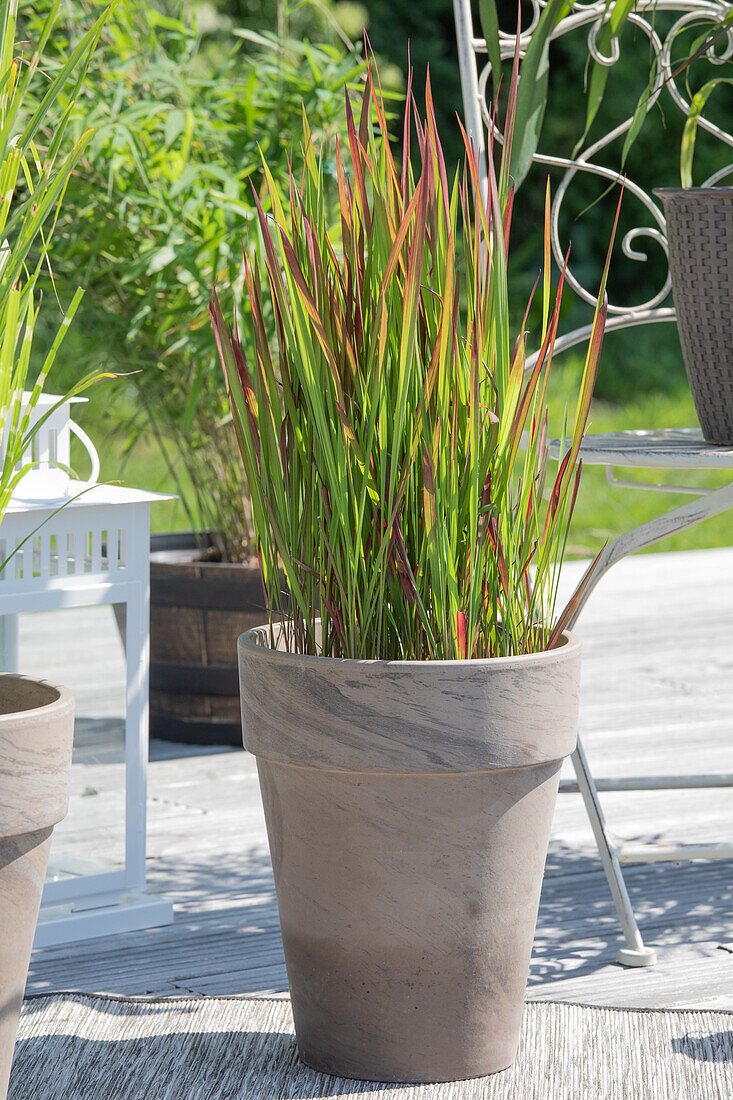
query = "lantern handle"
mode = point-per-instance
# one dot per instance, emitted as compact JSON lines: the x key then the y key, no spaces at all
{"x":91,"y":450}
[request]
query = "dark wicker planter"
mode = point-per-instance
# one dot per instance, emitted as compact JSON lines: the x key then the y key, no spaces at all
{"x":700,"y":236}
{"x":198,"y":609}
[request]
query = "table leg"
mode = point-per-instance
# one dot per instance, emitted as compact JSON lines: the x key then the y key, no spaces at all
{"x":635,"y":953}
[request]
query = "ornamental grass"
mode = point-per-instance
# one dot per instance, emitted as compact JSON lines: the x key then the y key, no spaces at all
{"x":393,"y":428}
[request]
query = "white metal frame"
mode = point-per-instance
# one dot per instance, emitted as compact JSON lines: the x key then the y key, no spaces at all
{"x":674,"y":449}
{"x":91,"y":552}
{"x":638,"y":449}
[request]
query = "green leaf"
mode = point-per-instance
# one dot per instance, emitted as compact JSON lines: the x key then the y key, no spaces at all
{"x":610,"y":33}
{"x":490,"y":30}
{"x":640,"y":113}
{"x":160,"y":259}
{"x":532,"y":92}
{"x":697,"y":106}
{"x":174,"y":125}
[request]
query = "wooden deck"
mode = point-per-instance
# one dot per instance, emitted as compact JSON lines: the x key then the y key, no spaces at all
{"x":657,"y":700}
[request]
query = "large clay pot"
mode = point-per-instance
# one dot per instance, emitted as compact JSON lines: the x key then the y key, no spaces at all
{"x":700,"y":242}
{"x":198,"y":607}
{"x":408,"y":809}
{"x":36,"y":737}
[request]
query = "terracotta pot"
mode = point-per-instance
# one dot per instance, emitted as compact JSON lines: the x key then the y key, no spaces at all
{"x":700,"y":242}
{"x":36,"y":737}
{"x":197,"y":610}
{"x":408,"y":809}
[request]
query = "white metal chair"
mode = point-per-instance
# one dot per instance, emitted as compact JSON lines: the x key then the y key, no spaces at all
{"x":665,"y":449}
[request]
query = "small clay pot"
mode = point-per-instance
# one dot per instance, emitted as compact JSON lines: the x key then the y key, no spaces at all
{"x":408,"y":809}
{"x":36,"y":738}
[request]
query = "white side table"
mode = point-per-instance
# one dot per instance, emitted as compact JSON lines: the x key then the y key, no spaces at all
{"x":94,"y":551}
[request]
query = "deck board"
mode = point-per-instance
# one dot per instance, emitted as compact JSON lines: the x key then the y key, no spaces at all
{"x":657,"y":698}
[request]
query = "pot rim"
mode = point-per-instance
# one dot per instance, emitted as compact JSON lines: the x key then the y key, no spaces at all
{"x":186,"y":548}
{"x":697,"y":192}
{"x":64,"y":700}
{"x":169,"y":559}
{"x":570,"y":647}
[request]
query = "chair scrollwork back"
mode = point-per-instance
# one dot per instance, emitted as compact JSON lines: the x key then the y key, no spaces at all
{"x":588,"y":19}
{"x":636,"y":449}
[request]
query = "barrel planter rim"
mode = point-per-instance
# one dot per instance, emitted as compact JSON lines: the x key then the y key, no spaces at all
{"x":165,"y":543}
{"x":159,"y":557}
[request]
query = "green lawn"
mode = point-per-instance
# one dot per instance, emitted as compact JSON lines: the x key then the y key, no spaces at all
{"x":602,"y":511}
{"x":143,"y":466}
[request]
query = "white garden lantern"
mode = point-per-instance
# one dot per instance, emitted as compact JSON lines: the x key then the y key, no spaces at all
{"x":85,"y":546}
{"x":50,"y":450}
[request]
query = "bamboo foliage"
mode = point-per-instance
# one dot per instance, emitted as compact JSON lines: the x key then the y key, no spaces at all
{"x":34,"y":175}
{"x":394,"y":442}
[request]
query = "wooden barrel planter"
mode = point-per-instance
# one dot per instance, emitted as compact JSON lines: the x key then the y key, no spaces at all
{"x":198,"y":609}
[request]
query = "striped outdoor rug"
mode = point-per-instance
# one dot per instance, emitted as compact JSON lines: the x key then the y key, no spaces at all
{"x":79,"y":1047}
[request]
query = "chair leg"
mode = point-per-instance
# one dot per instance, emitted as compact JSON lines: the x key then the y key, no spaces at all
{"x":634,"y":953}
